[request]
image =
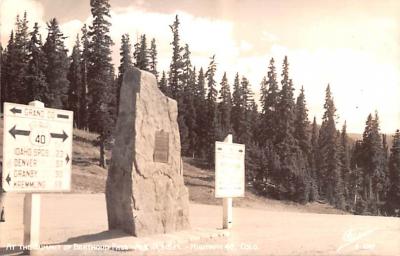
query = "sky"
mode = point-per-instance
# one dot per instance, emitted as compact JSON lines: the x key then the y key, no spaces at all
{"x":352,"y":45}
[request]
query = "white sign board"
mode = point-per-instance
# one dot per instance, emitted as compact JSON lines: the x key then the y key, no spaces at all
{"x":229,"y":169}
{"x":37,"y":149}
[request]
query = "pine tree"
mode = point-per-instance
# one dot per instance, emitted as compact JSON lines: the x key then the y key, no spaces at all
{"x":253,"y":117}
{"x":17,"y":62}
{"x":153,"y":58}
{"x":189,"y":93}
{"x":285,"y":110}
{"x":373,"y":164}
{"x":292,"y":176}
{"x":83,"y":114}
{"x":163,"y":84}
{"x":314,"y":148}
{"x":331,"y":183}
{"x":176,"y":66}
{"x":302,"y":137}
{"x":75,"y":79}
{"x":143,"y":55}
{"x":393,"y":197}
{"x":237,"y":114}
{"x":100,"y":75}
{"x":256,"y":159}
{"x":355,"y":185}
{"x":385,"y":163}
{"x":344,"y":156}
{"x":186,"y":109}
{"x":35,"y":78}
{"x":313,"y":158}
{"x":201,"y":115}
{"x":212,"y":110}
{"x":136,"y":50}
{"x":385,"y":146}
{"x":245,"y":129}
{"x":185,"y":106}
{"x":302,"y":124}
{"x":125,"y":63}
{"x":57,"y":69}
{"x":7,"y":69}
{"x":190,"y":113}
{"x":225,"y":106}
{"x":186,"y":67}
{"x":269,"y":103}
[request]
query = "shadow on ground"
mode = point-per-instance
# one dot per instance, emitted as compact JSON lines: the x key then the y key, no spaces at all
{"x":11,"y":251}
{"x":96,"y":237}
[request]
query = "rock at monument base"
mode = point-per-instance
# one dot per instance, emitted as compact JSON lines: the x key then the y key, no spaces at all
{"x":145,"y":191}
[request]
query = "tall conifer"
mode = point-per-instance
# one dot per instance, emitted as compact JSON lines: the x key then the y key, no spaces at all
{"x":125,"y":63}
{"x":212,"y":110}
{"x":100,"y":75}
{"x":330,"y":182}
{"x":57,"y":69}
{"x":163,"y":84}
{"x":237,"y":107}
{"x":302,"y":124}
{"x":201,"y":115}
{"x":143,"y":55}
{"x":225,"y":106}
{"x":35,"y":78}
{"x":153,"y":58}
{"x":176,"y":66}
{"x":75,"y":80}
{"x":84,"y":116}
{"x":269,"y":104}
{"x":17,"y":59}
{"x":393,"y":197}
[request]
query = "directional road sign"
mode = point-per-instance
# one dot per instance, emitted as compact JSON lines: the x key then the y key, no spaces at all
{"x":37,"y":148}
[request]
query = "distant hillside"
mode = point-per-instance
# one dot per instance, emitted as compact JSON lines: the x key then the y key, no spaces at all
{"x":355,"y":136}
{"x":358,"y":136}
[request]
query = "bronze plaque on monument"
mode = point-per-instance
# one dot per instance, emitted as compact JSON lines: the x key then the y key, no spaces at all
{"x":161,"y":147}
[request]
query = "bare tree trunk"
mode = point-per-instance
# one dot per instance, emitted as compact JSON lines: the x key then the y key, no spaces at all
{"x":370,"y":193}
{"x":103,"y":162}
{"x":355,"y":196}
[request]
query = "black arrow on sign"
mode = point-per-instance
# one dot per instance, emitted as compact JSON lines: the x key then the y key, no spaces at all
{"x":62,"y":136}
{"x":16,"y":110}
{"x":14,"y":132}
{"x":8,"y":179}
{"x":67,"y":159}
{"x":62,"y":116}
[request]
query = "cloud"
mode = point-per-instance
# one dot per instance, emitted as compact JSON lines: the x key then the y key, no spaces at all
{"x":70,"y":29}
{"x":205,"y":36}
{"x":360,"y":83}
{"x":9,"y":9}
{"x":245,"y":46}
{"x":269,"y":37}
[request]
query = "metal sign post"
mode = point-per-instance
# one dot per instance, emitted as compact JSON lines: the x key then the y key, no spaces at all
{"x":37,"y":155}
{"x":229,"y":175}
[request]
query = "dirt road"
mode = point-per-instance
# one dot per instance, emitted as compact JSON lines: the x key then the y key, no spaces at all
{"x":73,"y":224}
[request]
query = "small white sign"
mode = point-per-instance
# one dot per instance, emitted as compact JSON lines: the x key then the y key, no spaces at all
{"x":229,"y":169}
{"x":37,"y":149}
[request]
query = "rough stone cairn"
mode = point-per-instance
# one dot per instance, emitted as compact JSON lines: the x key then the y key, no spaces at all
{"x":145,"y":191}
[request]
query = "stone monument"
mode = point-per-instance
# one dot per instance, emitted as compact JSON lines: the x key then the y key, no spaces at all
{"x":145,"y":191}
